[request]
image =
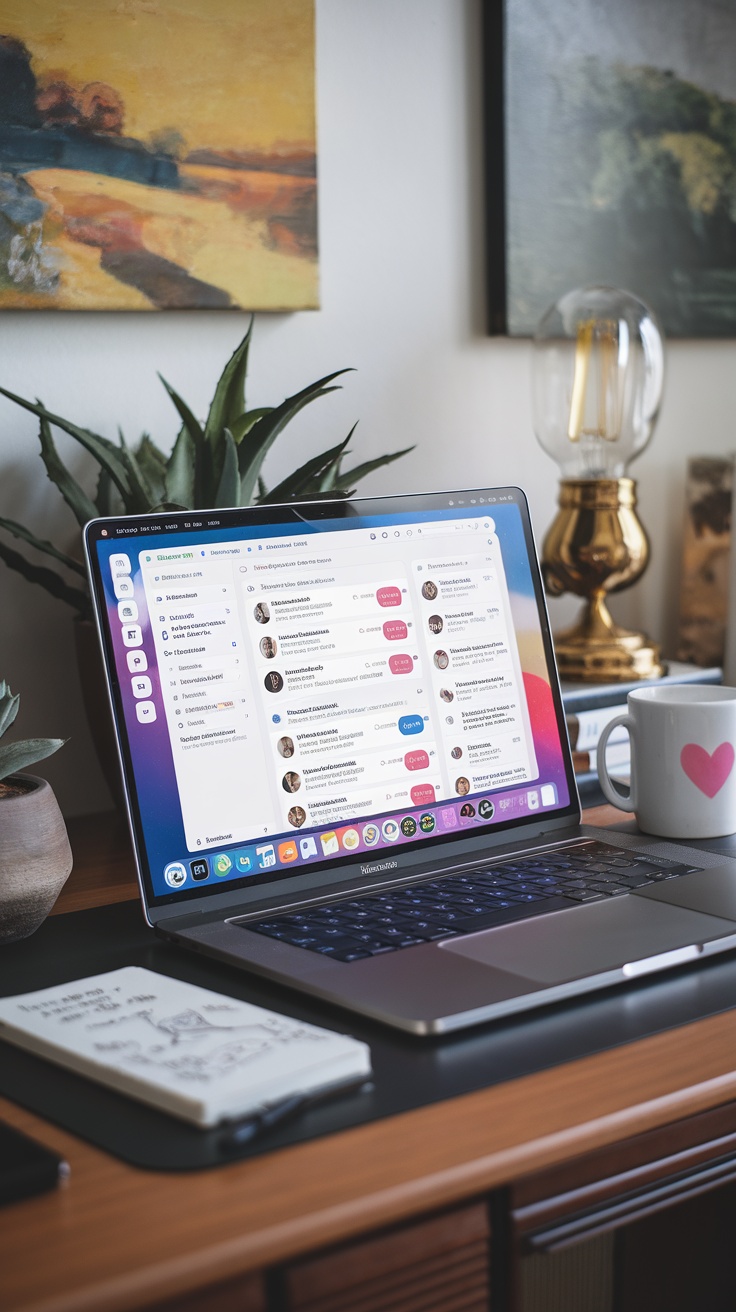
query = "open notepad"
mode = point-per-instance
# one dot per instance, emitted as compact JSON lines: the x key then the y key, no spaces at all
{"x":202,"y":1056}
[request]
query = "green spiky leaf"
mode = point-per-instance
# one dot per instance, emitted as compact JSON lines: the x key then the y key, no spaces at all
{"x":180,"y":470}
{"x":105,"y":452}
{"x":8,"y":707}
{"x":308,"y":477}
{"x":228,"y":402}
{"x":353,"y":476}
{"x":47,"y":579}
{"x":104,"y":501}
{"x":228,"y":489}
{"x":82,"y":506}
{"x":16,"y":756}
{"x":252,"y":453}
{"x":152,"y":463}
{"x":40,"y":544}
{"x":245,"y":422}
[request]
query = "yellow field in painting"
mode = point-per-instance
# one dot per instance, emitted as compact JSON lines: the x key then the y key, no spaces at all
{"x":221,"y":238}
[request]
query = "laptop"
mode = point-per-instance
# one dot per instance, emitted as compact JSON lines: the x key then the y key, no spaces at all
{"x":346,"y":763}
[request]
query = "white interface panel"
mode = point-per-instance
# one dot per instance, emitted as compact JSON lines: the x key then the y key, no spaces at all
{"x":309,"y":680}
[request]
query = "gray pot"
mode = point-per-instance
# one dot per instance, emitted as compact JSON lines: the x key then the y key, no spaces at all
{"x":35,"y":857}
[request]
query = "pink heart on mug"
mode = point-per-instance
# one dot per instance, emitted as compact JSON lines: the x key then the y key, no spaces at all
{"x":708,"y":772}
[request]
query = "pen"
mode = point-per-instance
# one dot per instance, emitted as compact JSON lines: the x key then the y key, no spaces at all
{"x":236,"y":1134}
{"x":242,"y":1132}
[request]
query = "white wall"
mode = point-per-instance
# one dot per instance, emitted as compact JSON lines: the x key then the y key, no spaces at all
{"x":402,"y":268}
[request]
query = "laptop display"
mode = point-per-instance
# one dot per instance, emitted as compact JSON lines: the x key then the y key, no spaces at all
{"x":297,"y":687}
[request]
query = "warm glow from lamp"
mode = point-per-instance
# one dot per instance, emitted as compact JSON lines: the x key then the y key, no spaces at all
{"x":598,"y":372}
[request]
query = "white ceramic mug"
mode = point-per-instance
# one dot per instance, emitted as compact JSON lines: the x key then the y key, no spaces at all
{"x":683,"y":766}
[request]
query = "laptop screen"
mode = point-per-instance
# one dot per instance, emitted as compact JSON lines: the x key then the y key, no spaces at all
{"x":296,"y":686}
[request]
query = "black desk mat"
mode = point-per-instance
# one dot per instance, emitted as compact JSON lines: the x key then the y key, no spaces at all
{"x":409,"y":1071}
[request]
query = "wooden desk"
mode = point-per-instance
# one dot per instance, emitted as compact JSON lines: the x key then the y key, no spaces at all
{"x":387,"y":1215}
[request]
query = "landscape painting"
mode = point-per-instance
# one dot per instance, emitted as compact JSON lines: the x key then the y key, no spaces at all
{"x":619,"y":155}
{"x":157,"y":155}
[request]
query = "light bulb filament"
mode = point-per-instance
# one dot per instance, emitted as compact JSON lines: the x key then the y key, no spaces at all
{"x":594,"y":405}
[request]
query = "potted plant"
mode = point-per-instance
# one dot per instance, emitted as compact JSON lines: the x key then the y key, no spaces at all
{"x":212,"y":464}
{"x":35,"y":857}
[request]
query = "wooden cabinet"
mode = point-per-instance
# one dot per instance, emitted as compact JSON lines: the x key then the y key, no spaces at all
{"x":246,"y":1294}
{"x":643,"y":1225}
{"x":437,"y":1265}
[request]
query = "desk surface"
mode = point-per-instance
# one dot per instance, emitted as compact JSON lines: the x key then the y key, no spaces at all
{"x":115,"y":1237}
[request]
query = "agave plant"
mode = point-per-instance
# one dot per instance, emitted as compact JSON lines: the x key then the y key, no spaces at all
{"x":16,"y":756}
{"x":214,"y":464}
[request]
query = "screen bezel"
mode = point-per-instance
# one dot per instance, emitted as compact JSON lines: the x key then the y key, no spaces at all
{"x":346,"y":869}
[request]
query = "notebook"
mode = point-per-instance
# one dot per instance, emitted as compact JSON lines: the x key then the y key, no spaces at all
{"x":347,"y":768}
{"x":199,"y":1055}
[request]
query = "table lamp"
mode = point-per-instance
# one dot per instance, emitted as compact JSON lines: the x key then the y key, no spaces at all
{"x":598,"y":369}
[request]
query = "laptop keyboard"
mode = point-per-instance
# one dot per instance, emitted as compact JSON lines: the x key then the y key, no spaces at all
{"x":371,"y":924}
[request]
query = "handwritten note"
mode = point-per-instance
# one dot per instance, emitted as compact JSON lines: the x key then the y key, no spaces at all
{"x":197,"y":1054}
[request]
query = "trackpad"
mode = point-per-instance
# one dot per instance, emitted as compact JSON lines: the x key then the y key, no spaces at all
{"x":569,"y":945}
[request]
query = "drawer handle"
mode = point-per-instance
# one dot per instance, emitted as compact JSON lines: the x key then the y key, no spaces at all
{"x":632,"y":1207}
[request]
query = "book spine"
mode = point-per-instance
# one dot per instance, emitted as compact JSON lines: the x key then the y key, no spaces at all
{"x":586,"y":727}
{"x":591,"y":697}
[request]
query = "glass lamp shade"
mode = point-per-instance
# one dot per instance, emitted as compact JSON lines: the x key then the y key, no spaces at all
{"x":597,"y":376}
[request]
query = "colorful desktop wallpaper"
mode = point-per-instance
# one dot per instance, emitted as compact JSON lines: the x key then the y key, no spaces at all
{"x":150,"y":750}
{"x":157,"y":154}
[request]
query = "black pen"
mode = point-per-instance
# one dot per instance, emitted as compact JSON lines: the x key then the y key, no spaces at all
{"x":236,"y":1134}
{"x":240,"y":1132}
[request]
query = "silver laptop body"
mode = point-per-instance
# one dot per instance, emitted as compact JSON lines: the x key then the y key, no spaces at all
{"x":322,"y":704}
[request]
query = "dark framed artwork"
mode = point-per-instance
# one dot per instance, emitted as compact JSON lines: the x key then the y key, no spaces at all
{"x":611,"y":158}
{"x":157,"y":154}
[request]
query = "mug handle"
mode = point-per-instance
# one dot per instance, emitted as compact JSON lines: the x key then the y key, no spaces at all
{"x":625,"y":801}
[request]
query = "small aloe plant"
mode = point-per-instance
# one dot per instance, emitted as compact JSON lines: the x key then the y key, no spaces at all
{"x":212,"y":464}
{"x":16,"y":756}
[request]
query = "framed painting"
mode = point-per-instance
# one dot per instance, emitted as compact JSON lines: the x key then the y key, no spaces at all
{"x":157,"y":155}
{"x":611,"y":158}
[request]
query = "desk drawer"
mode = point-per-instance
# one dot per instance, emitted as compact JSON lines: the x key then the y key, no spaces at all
{"x":624,"y":1184}
{"x":440,"y":1263}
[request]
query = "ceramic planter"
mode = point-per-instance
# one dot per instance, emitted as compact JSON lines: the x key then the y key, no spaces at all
{"x":35,"y":856}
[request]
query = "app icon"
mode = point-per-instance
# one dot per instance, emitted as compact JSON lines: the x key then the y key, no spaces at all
{"x":141,"y":686}
{"x":266,"y":856}
{"x":351,"y":839}
{"x":287,"y":851}
{"x":175,"y":874}
{"x":132,"y":635}
{"x":329,"y":842}
{"x":533,"y":800}
{"x":137,"y":661}
{"x":307,"y":847}
{"x":549,"y":795}
{"x":371,"y":835}
{"x":244,"y":862}
{"x":222,"y":863}
{"x":200,"y":868}
{"x":146,"y":712}
{"x":486,"y":809}
{"x":127,"y":612}
{"x":119,"y":564}
{"x":122,"y":587}
{"x":426,"y":822}
{"x":408,"y":826}
{"x":448,"y":816}
{"x":390,"y":830}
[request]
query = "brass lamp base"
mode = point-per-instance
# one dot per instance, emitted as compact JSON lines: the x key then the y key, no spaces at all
{"x":596,"y":650}
{"x":597,"y":545}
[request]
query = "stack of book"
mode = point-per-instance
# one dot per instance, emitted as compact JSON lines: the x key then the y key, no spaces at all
{"x":588,"y":709}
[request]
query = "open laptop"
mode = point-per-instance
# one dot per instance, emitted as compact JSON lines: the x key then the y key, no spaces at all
{"x":347,"y":768}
